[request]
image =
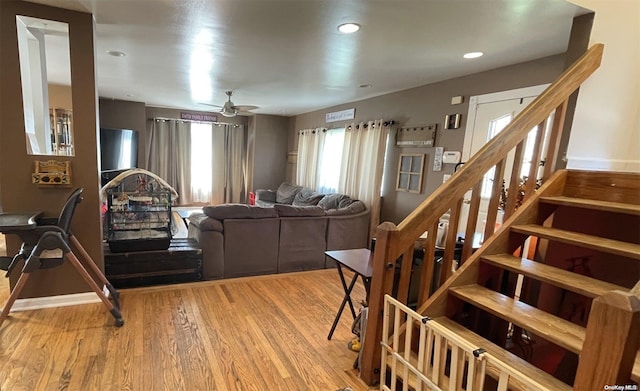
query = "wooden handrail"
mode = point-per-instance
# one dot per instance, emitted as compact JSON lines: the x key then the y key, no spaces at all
{"x":430,"y":210}
{"x":394,"y":241}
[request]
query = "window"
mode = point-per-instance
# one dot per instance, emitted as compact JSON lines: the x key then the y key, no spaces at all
{"x":330,"y":161}
{"x":410,"y":170}
{"x":201,"y":161}
{"x":495,"y":127}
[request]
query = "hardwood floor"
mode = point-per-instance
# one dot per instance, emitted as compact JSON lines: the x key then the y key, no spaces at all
{"x":256,"y":333}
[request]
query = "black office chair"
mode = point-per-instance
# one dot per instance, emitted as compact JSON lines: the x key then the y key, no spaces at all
{"x":47,"y":246}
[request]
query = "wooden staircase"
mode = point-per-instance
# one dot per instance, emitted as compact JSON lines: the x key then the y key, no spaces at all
{"x":558,"y":281}
{"x":480,"y":294}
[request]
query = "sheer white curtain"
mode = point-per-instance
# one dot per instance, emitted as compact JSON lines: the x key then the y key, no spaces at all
{"x":363,"y":163}
{"x":310,"y":143}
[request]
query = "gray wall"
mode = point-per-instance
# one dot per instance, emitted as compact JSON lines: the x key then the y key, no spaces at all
{"x":267,"y":151}
{"x":429,"y":104}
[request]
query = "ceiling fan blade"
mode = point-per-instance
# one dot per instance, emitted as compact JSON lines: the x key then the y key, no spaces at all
{"x":209,"y":104}
{"x":245,"y":107}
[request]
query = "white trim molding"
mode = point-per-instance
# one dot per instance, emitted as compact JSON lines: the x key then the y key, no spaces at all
{"x":476,"y":100}
{"x":55,"y":301}
{"x":600,"y":164}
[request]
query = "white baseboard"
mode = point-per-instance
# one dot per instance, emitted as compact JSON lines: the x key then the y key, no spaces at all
{"x":584,"y":163}
{"x":55,"y":301}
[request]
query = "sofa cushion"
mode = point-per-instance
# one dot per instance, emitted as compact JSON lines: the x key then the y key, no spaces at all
{"x":353,"y":208}
{"x":238,"y":211}
{"x":286,"y":193}
{"x":298,"y":211}
{"x":204,"y":222}
{"x":331,"y":201}
{"x":307,"y":197}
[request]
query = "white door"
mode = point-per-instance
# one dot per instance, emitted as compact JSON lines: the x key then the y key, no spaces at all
{"x":488,"y":115}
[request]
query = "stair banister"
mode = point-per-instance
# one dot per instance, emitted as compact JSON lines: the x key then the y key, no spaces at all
{"x":393,"y":241}
{"x":611,"y":342}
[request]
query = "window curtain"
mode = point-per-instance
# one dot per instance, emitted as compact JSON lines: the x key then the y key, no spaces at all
{"x":363,"y":163}
{"x":169,"y":154}
{"x":228,"y":165}
{"x":235,"y":172}
{"x":310,"y":143}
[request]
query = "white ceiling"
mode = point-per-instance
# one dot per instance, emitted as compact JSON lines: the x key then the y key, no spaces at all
{"x":287,"y":57}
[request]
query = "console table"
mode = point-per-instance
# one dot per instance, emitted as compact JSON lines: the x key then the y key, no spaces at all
{"x":181,"y":262}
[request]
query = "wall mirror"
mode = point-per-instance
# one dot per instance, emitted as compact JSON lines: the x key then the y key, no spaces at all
{"x":45,"y":71}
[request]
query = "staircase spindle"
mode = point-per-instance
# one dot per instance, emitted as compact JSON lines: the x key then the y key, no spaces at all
{"x":472,"y":221}
{"x":514,"y":183}
{"x":551,"y":159}
{"x":494,"y":202}
{"x":428,"y":266}
{"x":534,"y":165}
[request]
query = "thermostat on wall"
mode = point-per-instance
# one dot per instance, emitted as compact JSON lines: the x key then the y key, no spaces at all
{"x":451,"y":157}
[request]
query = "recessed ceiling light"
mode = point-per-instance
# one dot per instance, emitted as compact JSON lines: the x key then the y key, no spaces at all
{"x":365,"y":85}
{"x":348,"y":28}
{"x":116,"y":53}
{"x":473,"y":55}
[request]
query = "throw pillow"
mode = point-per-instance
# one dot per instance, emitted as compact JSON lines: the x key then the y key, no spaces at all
{"x":307,"y":197}
{"x":346,"y":201}
{"x":331,"y":201}
{"x":286,"y":193}
{"x":238,"y":211}
{"x":353,"y":208}
{"x":298,"y":211}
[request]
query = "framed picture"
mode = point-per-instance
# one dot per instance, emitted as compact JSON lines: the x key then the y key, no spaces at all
{"x":452,"y":121}
{"x":410,"y":171}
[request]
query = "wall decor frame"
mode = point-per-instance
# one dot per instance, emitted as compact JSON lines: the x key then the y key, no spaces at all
{"x":452,"y":121}
{"x":410,"y":172}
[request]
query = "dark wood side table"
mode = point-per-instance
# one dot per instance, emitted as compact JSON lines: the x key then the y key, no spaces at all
{"x":360,"y":262}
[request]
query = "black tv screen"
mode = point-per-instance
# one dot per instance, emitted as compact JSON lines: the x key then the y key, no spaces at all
{"x":118,"y":149}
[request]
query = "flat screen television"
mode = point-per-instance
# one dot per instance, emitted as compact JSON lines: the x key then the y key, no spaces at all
{"x":118,"y":149}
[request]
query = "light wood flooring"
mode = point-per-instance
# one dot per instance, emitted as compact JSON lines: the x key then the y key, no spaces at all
{"x":256,"y":333}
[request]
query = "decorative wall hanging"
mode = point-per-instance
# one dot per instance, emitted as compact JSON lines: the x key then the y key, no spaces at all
{"x":52,"y":172}
{"x":452,"y":121}
{"x":410,"y":170}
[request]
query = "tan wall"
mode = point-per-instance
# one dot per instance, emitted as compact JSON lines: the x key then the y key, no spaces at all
{"x":16,"y":191}
{"x":429,"y":104}
{"x":60,"y":96}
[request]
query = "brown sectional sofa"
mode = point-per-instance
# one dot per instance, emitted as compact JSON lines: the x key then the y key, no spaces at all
{"x":241,"y":240}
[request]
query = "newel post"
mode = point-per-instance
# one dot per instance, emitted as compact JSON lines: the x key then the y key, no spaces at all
{"x":384,"y":264}
{"x":611,"y":341}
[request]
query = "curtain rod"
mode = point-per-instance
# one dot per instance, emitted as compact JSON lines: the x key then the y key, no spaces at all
{"x":324,"y":128}
{"x":190,"y":120}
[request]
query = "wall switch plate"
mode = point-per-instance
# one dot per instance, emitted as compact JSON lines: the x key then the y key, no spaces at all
{"x":437,"y":159}
{"x":445,"y":177}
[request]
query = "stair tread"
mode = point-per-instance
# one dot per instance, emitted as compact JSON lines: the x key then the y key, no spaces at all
{"x":618,"y":207}
{"x":626,"y":249}
{"x":578,"y":283}
{"x":504,"y":355}
{"x":563,"y":333}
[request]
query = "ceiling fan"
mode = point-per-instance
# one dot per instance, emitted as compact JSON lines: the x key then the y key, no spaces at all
{"x":229,"y":109}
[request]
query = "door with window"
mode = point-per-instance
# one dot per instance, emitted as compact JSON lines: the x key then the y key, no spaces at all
{"x":488,"y":116}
